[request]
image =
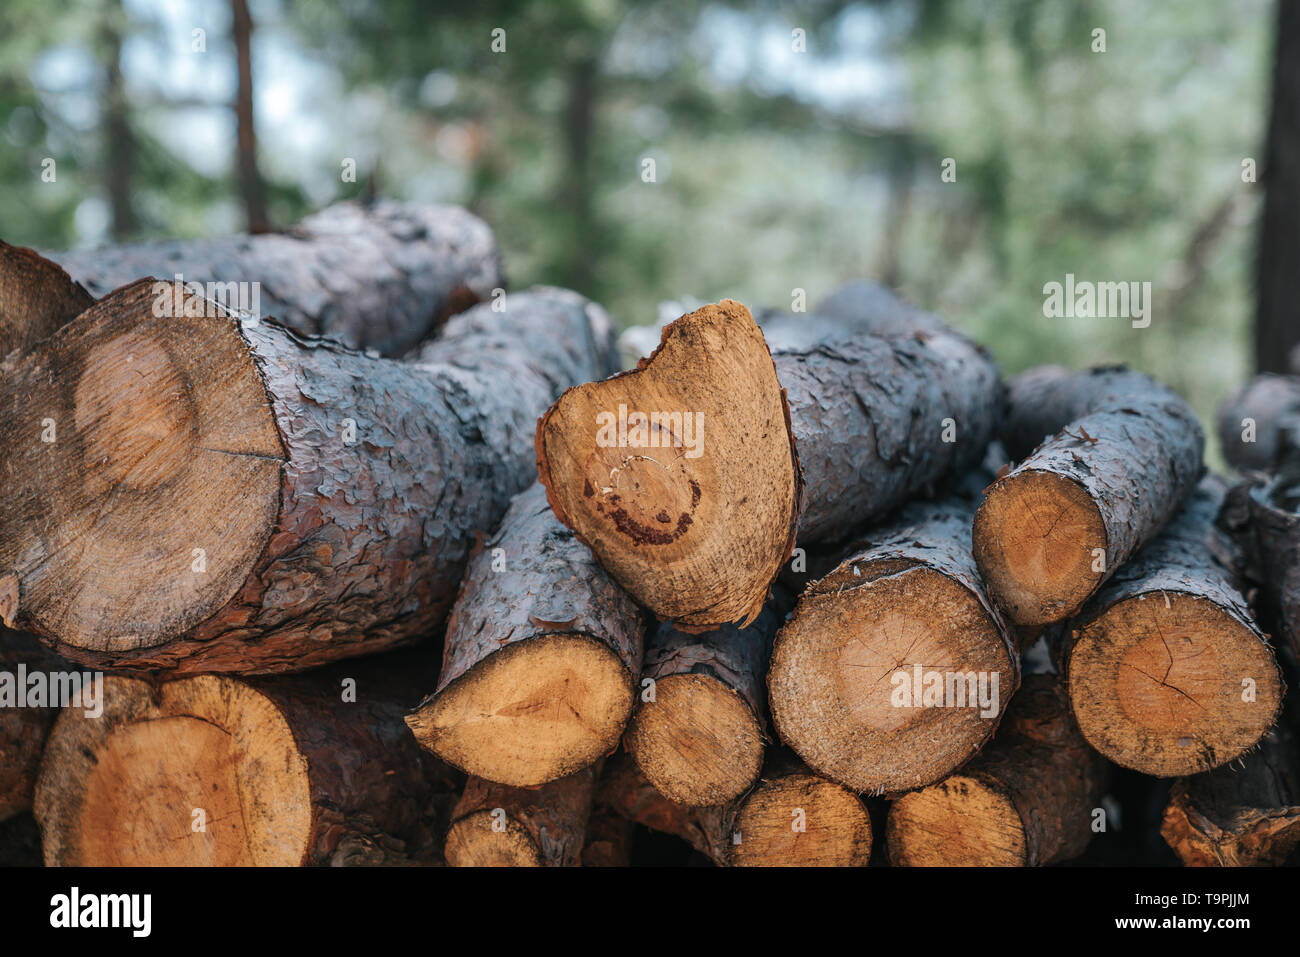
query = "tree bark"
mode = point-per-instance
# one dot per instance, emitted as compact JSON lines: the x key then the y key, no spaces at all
{"x":299,"y":502}
{"x":382,"y":277}
{"x":1259,"y":424}
{"x":1168,"y":673}
{"x":896,"y":667}
{"x":37,"y":297}
{"x":1279,"y":237}
{"x":699,"y":729}
{"x":609,"y":840}
{"x":23,"y":730}
{"x":540,"y":657}
{"x":700,"y":540}
{"x":1262,"y":522}
{"x":216,"y":770}
{"x":1028,"y":800}
{"x":495,"y":825}
{"x":1121,"y":455}
{"x":1240,"y":816}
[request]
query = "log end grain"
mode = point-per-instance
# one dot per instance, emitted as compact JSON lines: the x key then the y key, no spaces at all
{"x":694,"y":522}
{"x":37,"y":296}
{"x":960,"y":822}
{"x":801,"y":820}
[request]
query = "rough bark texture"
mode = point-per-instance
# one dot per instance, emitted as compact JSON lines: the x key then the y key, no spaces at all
{"x":1027,"y":800}
{"x":1243,"y":815}
{"x":698,"y":733}
{"x":382,"y":277}
{"x":540,"y":657}
{"x":36,"y":297}
{"x":904,"y":605}
{"x":1259,"y":424}
{"x":1168,"y":672}
{"x":495,"y":825}
{"x":1119,"y":454}
{"x":1264,"y":527}
{"x":22,"y":729}
{"x":286,"y":771}
{"x":359,"y":484}
{"x":609,"y":840}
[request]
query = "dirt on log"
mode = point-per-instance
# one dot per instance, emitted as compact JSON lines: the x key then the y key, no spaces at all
{"x":225,"y":771}
{"x":1027,"y":800}
{"x":1168,"y":672}
{"x":192,"y":492}
{"x":540,"y":657}
{"x":494,"y":825}
{"x":895,"y":668}
{"x":381,"y":277}
{"x":1107,"y":456}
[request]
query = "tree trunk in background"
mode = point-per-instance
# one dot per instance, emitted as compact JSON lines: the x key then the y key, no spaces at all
{"x":118,"y":138}
{"x":1276,"y":278}
{"x":250,"y":180}
{"x":576,"y":185}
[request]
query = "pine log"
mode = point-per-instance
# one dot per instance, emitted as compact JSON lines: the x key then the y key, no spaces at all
{"x":218,"y":770}
{"x":380,"y":277}
{"x":1168,"y":672}
{"x":495,"y":825}
{"x":1259,"y":424}
{"x":222,"y":496}
{"x":540,"y":657}
{"x":896,"y":667}
{"x":700,"y":539}
{"x":1121,"y":454}
{"x":790,"y":818}
{"x":698,"y":732}
{"x":1246,"y":814}
{"x":37,"y":297}
{"x":23,"y":729}
{"x":1027,"y":800}
{"x":1263,"y":523}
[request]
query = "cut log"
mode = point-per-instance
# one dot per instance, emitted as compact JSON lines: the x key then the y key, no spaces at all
{"x":1259,"y":424}
{"x":540,"y":657}
{"x":1028,"y":800}
{"x":700,"y":540}
{"x":1244,"y":815}
{"x":896,"y":667}
{"x":1168,"y":672}
{"x":37,"y":297}
{"x":382,"y":277}
{"x":25,"y":665}
{"x":494,"y":825}
{"x":1122,"y":454}
{"x":698,"y":732}
{"x":791,"y":818}
{"x":609,"y":840}
{"x":1263,"y":523}
{"x":216,"y":770}
{"x":205,"y":495}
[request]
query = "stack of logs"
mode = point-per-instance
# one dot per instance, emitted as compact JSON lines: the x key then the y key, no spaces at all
{"x":411,"y":574}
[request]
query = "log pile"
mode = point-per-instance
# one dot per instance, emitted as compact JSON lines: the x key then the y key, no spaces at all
{"x":404,"y":572}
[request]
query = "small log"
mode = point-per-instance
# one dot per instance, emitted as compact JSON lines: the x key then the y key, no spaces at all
{"x":381,"y":277}
{"x":1121,"y":455}
{"x":495,"y":825}
{"x":539,"y":660}
{"x":37,"y":297}
{"x":23,"y":729}
{"x":298,"y":502}
{"x":217,"y":770}
{"x":698,"y":732}
{"x":1262,"y":521}
{"x":896,"y":667}
{"x":1028,"y":800}
{"x":1259,"y":424}
{"x":1168,"y":673}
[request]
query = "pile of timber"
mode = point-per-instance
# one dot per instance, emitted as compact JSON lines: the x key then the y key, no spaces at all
{"x":398,"y":568}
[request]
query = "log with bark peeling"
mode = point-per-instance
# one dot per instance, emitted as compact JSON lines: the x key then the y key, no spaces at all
{"x":896,"y":667}
{"x":380,"y":277}
{"x":218,"y":770}
{"x":1259,"y":424}
{"x":1121,"y":455}
{"x":37,"y":297}
{"x":203,"y":494}
{"x":539,"y":660}
{"x":1245,"y":814}
{"x":792,"y":817}
{"x":24,"y":725}
{"x":699,"y":729}
{"x":495,"y":825}
{"x":1168,"y":672}
{"x":697,"y":533}
{"x":1027,"y":800}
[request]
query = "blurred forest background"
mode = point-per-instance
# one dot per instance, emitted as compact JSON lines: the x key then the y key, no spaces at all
{"x":776,"y":167}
